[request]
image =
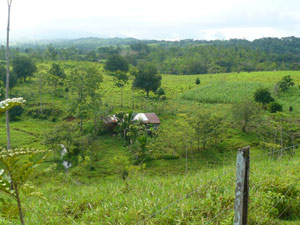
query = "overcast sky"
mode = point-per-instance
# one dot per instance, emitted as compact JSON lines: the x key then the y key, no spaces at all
{"x":155,"y":19}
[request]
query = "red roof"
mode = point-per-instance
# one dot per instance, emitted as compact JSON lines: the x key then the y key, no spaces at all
{"x":152,"y":118}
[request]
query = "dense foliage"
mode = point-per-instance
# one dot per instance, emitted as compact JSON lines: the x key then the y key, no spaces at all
{"x":147,"y":78}
{"x":178,"y":57}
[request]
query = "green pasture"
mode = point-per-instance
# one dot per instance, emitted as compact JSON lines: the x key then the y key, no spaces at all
{"x":97,"y":195}
{"x":62,"y":199}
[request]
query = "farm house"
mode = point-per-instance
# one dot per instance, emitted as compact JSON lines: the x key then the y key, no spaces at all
{"x":149,"y":119}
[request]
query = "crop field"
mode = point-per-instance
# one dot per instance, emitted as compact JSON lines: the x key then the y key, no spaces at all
{"x":222,"y":92}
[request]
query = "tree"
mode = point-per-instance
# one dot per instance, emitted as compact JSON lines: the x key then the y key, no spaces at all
{"x":2,"y":95}
{"x":13,"y":78}
{"x":197,"y":81}
{"x":91,"y":56}
{"x":51,"y":52}
{"x":55,"y":77}
{"x":121,"y":80}
{"x":23,"y":66}
{"x":147,"y":78}
{"x":56,"y":70}
{"x":207,"y":127}
{"x":263,"y":96}
{"x":285,"y":83}
{"x":245,"y":113}
{"x":64,"y":133}
{"x":115,"y":63}
{"x":83,"y":83}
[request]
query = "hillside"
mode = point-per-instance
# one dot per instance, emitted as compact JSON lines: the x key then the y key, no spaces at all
{"x":94,"y":190}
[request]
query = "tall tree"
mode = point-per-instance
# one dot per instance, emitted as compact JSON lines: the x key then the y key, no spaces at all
{"x":121,"y":80}
{"x":207,"y":128}
{"x":245,"y":113}
{"x":83,"y":83}
{"x":56,"y":70}
{"x":23,"y":66}
{"x":116,"y":62}
{"x":9,"y":2}
{"x":147,"y":78}
{"x":13,"y":78}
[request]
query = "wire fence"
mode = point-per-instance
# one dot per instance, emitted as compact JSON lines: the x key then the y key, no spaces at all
{"x":230,"y":207}
{"x":184,"y":197}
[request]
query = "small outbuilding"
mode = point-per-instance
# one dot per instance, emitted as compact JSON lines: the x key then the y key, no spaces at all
{"x":148,"y":119}
{"x":110,"y":122}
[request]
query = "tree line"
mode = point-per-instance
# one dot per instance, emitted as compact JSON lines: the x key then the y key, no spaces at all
{"x":179,"y":57}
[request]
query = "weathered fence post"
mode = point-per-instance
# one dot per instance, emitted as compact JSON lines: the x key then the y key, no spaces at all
{"x":242,"y":186}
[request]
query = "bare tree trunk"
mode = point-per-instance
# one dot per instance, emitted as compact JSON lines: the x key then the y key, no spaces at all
{"x":7,"y":73}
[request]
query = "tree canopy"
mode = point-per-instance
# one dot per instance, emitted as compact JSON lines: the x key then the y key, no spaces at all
{"x":83,"y":83}
{"x":147,"y":78}
{"x":13,"y":78}
{"x":263,"y":96}
{"x":116,"y":62}
{"x":56,"y":70}
{"x":23,"y":66}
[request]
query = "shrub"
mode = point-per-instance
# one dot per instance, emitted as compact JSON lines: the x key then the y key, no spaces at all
{"x":275,"y":107}
{"x":15,"y":112}
{"x":160,"y":91}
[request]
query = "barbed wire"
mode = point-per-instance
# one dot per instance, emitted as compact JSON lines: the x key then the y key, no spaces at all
{"x":217,"y":178}
{"x":279,"y":200}
{"x":220,"y":213}
{"x":283,"y":211}
{"x":279,"y":150}
{"x":255,"y":187}
{"x":182,"y":198}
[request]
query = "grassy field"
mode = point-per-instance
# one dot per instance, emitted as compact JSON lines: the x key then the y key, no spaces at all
{"x":64,"y":200}
{"x":95,"y":194}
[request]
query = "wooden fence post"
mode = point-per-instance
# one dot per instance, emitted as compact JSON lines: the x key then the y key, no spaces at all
{"x":242,"y":186}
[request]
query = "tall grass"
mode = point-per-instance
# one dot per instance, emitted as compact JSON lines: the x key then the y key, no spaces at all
{"x":116,"y":202}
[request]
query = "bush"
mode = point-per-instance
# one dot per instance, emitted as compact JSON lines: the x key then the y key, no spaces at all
{"x":15,"y":112}
{"x":275,"y":107}
{"x":197,"y":81}
{"x":47,"y":113}
{"x":160,"y":91}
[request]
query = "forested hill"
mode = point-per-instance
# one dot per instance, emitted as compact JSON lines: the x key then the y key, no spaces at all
{"x":176,"y":57}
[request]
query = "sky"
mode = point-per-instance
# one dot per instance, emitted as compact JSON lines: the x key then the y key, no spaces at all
{"x":155,"y":19}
